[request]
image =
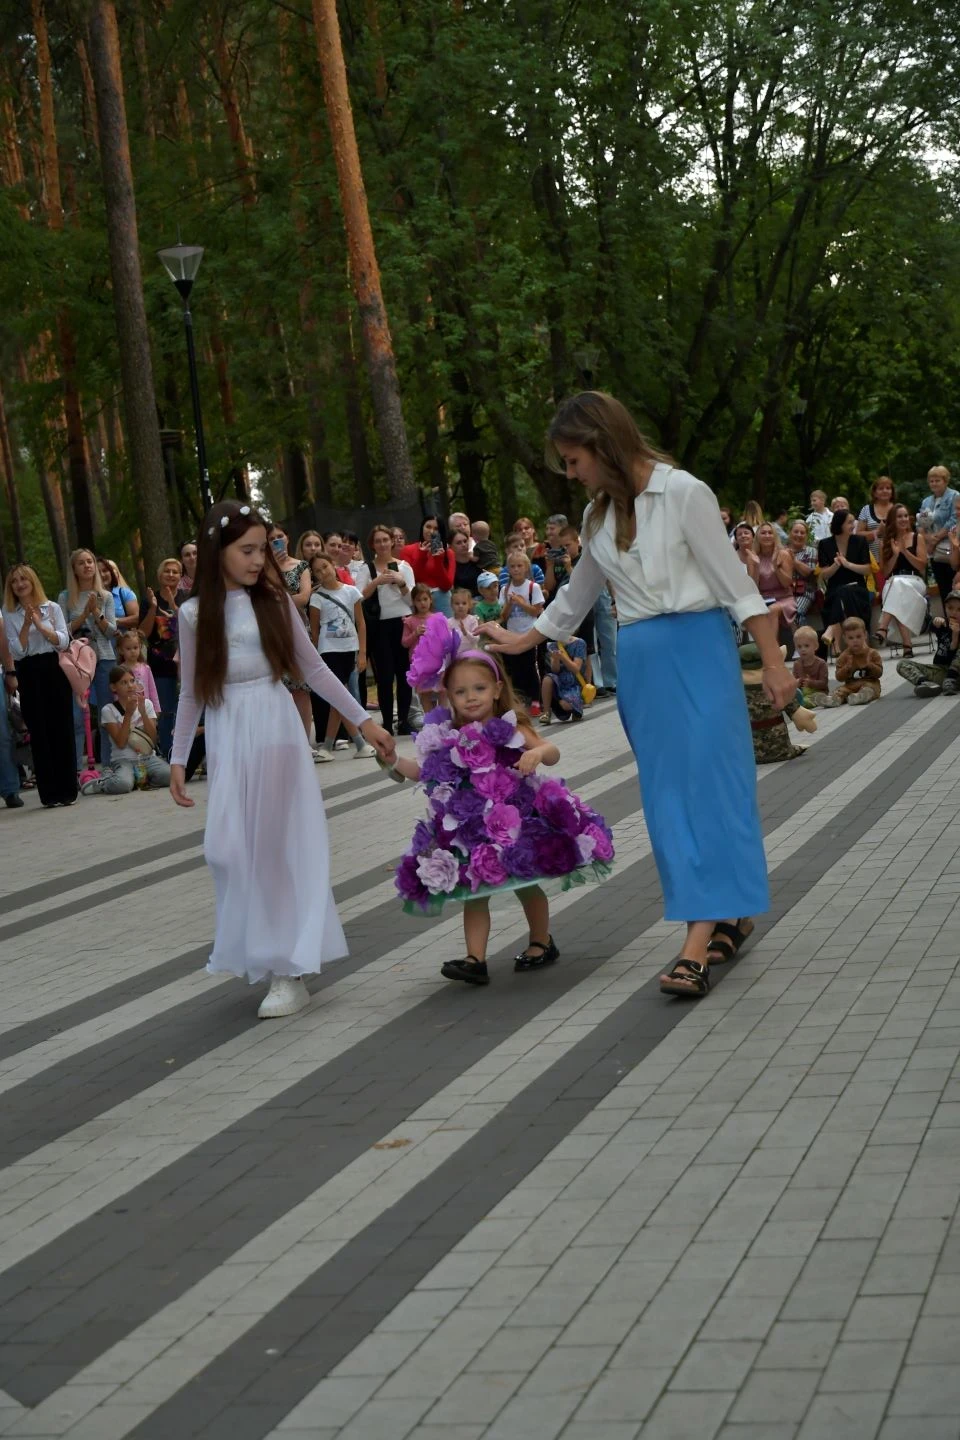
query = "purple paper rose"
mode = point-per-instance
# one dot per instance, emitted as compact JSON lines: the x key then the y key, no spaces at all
{"x":496,"y":785}
{"x":524,"y":797}
{"x":486,"y":867}
{"x":558,"y":807}
{"x":433,"y":737}
{"x":408,"y":882}
{"x":503,"y":823}
{"x":422,"y":838}
{"x":465,"y":803}
{"x":558,"y":855}
{"x":438,"y":767}
{"x":520,"y":859}
{"x":602,"y":841}
{"x":501,"y":731}
{"x":473,"y":752}
{"x":439,"y":872}
{"x":472,"y":833}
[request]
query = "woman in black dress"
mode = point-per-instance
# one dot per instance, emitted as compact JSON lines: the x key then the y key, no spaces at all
{"x":844,"y":562}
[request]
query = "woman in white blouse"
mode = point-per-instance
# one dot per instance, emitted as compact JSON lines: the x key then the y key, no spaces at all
{"x":36,"y":631}
{"x":655,"y":534}
{"x":391,"y":582}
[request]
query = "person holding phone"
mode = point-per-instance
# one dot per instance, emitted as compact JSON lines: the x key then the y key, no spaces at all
{"x":387,"y":602}
{"x":433,"y":563}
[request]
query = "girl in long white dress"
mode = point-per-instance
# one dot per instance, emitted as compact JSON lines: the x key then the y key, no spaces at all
{"x":239,"y":634}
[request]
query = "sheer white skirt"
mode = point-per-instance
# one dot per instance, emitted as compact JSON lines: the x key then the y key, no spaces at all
{"x":266,"y":839}
{"x":905,"y":598}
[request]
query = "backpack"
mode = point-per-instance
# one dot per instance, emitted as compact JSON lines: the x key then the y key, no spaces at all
{"x":79,"y":663}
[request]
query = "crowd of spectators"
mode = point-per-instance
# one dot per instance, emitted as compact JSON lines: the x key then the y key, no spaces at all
{"x":366,"y":605}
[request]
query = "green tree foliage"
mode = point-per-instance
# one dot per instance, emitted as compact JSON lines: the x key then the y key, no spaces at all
{"x":742,"y":219}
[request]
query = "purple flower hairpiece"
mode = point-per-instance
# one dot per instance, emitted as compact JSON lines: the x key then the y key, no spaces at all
{"x":436,"y":650}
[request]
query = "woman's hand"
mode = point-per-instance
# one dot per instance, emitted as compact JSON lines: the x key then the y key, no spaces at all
{"x":151,"y":598}
{"x":361,"y":661}
{"x":779,"y":685}
{"x":178,"y":787}
{"x":381,"y":740}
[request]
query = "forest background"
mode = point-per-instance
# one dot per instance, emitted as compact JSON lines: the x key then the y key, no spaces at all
{"x":741,"y":218}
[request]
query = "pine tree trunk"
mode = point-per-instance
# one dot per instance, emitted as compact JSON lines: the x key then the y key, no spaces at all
{"x":53,"y":210}
{"x":364,"y":270}
{"x":10,"y":481}
{"x":50,"y":488}
{"x":353,"y":407}
{"x":136,"y":364}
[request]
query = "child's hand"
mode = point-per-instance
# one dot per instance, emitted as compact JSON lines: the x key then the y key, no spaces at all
{"x":529,"y":760}
{"x":178,"y":787}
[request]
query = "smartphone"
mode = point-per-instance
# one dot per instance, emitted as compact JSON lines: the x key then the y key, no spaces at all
{"x":392,"y":565}
{"x":436,"y":544}
{"x":556,"y":553}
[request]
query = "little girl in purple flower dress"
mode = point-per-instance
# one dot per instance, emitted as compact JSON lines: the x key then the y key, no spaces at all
{"x":493,"y":823}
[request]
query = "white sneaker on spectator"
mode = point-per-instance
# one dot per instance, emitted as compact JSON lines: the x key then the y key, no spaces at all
{"x":287,"y":995}
{"x":364,"y":752}
{"x":341,"y":744}
{"x":92,"y":787}
{"x":322,"y":756}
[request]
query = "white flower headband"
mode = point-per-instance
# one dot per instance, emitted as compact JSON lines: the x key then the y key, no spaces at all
{"x":225,"y":520}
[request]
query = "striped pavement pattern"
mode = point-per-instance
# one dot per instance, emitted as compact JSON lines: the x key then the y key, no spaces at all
{"x":211,"y":1226}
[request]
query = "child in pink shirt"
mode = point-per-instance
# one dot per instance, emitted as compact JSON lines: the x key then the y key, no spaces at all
{"x":129,"y":648}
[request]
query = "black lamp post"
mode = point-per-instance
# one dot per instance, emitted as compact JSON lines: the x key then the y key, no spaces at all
{"x":181,"y":263}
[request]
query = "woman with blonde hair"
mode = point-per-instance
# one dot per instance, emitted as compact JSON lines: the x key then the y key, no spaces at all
{"x":158,"y":625}
{"x":775,"y":575}
{"x":89,"y":609}
{"x":36,"y":632}
{"x":654,"y":533}
{"x":753,"y":515}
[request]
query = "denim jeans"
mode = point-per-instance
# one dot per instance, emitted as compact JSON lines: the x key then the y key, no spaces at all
{"x":101,"y":694}
{"x":606,"y":628}
{"x":9,"y":774}
{"x":121,"y":778}
{"x":167,"y":695}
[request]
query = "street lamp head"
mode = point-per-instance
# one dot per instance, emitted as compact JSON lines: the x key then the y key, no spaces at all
{"x":181,"y":263}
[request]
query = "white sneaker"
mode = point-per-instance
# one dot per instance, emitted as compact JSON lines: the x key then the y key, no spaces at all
{"x":364,"y":752}
{"x":341,"y":744}
{"x":321,"y":756}
{"x":287,"y":995}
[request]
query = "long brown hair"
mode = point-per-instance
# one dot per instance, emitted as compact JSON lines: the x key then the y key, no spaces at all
{"x":222,"y":525}
{"x":38,"y":596}
{"x":599,"y":423}
{"x":890,"y":531}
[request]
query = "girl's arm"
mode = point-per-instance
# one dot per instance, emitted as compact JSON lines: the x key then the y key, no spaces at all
{"x":188,"y":711}
{"x":409,"y":637}
{"x":409,"y":769}
{"x":535,"y":752}
{"x":149,"y":686}
{"x":313,"y":616}
{"x":119,"y":732}
{"x":321,"y":680}
{"x":148,"y":723}
{"x":361,"y":624}
{"x":801,"y":568}
{"x":570,"y":662}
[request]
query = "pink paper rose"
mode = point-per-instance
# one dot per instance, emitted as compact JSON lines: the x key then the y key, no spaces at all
{"x":502,"y":823}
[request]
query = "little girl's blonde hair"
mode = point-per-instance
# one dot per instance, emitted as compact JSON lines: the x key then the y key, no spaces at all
{"x":140,"y":638}
{"x":486,"y":660}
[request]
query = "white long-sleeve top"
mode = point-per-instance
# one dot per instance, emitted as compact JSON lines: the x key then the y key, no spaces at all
{"x":37,"y":643}
{"x":246,"y":661}
{"x":681,"y":560}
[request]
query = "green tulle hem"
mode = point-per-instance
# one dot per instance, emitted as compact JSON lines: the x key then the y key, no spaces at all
{"x":594,"y":873}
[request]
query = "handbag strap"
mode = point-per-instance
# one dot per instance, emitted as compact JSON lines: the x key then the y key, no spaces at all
{"x":563,"y":651}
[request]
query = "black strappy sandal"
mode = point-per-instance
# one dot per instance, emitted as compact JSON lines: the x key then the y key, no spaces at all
{"x":472,"y":970}
{"x":691,"y":980}
{"x":726,"y":940}
{"x":549,"y":954}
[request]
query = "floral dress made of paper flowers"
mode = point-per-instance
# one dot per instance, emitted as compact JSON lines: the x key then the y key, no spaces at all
{"x":488,"y":827}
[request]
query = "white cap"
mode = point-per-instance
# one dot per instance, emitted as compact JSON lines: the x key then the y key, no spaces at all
{"x":485,"y":578}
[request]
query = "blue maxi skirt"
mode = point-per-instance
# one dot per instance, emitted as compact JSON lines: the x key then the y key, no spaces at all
{"x":681,"y":702}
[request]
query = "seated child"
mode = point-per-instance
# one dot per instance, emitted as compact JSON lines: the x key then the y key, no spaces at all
{"x":858,"y":669}
{"x":488,"y":606}
{"x":131,"y":723}
{"x":462,"y":620}
{"x":809,"y":671}
{"x":943,"y":674}
{"x":560,"y":691}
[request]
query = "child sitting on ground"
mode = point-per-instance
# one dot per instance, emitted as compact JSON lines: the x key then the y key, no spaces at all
{"x":809,"y":671}
{"x":560,"y":691}
{"x":488,"y":606}
{"x":131,"y":723}
{"x":858,"y":669}
{"x":462,"y":620}
{"x":942,"y":675}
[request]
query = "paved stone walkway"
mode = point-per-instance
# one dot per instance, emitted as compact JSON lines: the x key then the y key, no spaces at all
{"x":560,"y":1207}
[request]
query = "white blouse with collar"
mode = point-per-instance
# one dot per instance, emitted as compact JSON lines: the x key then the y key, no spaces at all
{"x":680,"y":561}
{"x":37,"y":642}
